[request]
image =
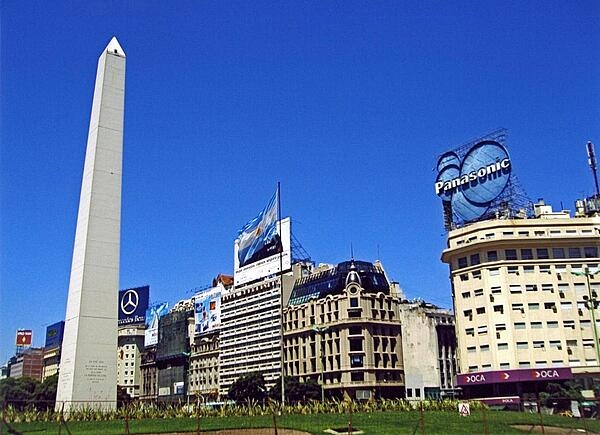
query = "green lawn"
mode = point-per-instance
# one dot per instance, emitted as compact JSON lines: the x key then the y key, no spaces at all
{"x":377,"y":423}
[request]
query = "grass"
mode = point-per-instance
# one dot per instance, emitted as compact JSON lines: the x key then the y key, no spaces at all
{"x":376,"y":423}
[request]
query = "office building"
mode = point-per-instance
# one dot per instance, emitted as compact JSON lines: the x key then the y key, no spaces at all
{"x":525,"y":294}
{"x":342,"y":329}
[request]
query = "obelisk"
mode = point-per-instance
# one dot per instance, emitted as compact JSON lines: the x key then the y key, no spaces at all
{"x":88,"y":366}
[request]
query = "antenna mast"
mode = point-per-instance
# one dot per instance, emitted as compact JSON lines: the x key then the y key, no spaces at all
{"x":593,"y":165}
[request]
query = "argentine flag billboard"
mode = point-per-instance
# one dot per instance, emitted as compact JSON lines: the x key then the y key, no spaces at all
{"x":259,"y":244}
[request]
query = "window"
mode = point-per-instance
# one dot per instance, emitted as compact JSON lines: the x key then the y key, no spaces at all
{"x":519,"y":325}
{"x":492,"y":255}
{"x":510,"y":254}
{"x":545,"y":269}
{"x":356,"y":361}
{"x":542,"y":253}
{"x":353,"y":302}
{"x":494,"y":271}
{"x":563,"y":288}
{"x":512,"y":270}
{"x":500,"y":327}
{"x":574,"y":253}
{"x":475,"y":259}
{"x":477,"y":274}
{"x":464,"y":276}
{"x":566,"y":305}
{"x":357,"y":376}
{"x":462,"y":262}
{"x":526,"y":254}
{"x":585,"y":323}
{"x":529,"y":269}
{"x":496,"y":290}
{"x":531,"y":287}
{"x":470,"y":331}
{"x":536,"y":325}
{"x":471,"y":349}
{"x":522,"y":345}
{"x":355,"y":330}
{"x":568,"y":324}
{"x":478,"y":292}
{"x":490,"y":236}
{"x":502,"y":346}
{"x":554,"y":344}
{"x":499,"y":309}
{"x":558,"y":252}
{"x":517,"y":307}
{"x":485,"y":348}
{"x":481,"y":330}
{"x":548,"y":288}
{"x":468,"y":313}
{"x":550,"y":306}
{"x":533,"y":306}
{"x":356,"y":344}
{"x":466,"y":295}
{"x":507,"y":234}
{"x":504,"y":365}
{"x":481,"y":310}
{"x":538,"y":344}
{"x":590,"y":252}
{"x":524,"y":364}
{"x":515,"y":288}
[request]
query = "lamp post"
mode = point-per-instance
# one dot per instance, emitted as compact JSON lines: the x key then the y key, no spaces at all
{"x":320,"y":329}
{"x":591,"y":302}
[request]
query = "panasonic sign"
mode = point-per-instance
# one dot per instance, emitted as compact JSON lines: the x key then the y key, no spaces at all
{"x":480,"y":175}
{"x":470,"y":182}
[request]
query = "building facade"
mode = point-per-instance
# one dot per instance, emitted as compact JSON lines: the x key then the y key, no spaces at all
{"x":130,"y":347}
{"x":342,"y":329}
{"x":429,"y":342}
{"x":525,"y":296}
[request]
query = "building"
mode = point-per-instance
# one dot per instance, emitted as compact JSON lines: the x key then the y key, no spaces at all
{"x":129,"y":358}
{"x":525,"y":294}
{"x":204,"y":341}
{"x":52,"y":346}
{"x":28,"y":364}
{"x":149,"y":375}
{"x":173,"y":351}
{"x":250,"y":335}
{"x":429,"y":346}
{"x":342,"y":329}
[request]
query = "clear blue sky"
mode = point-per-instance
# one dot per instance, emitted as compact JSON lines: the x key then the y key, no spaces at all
{"x":347,"y":104}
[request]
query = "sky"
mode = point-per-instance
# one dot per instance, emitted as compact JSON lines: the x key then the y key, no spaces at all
{"x":346,"y":104}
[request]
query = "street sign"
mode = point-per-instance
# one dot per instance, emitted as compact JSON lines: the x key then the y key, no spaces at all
{"x":464,"y":409}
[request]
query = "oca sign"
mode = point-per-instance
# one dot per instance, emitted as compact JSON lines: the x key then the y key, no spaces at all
{"x":470,"y":184}
{"x":546,"y":374}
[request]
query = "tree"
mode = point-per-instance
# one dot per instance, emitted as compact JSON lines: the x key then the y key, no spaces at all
{"x":296,"y":391}
{"x":249,"y":387}
{"x":559,"y":396}
{"x":23,"y":392}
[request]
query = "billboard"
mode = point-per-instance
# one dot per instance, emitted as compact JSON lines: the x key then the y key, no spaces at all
{"x":207,"y":310}
{"x":514,"y":375}
{"x":133,"y":304}
{"x":267,"y":262}
{"x":153,"y":315}
{"x":475,"y":182}
{"x":54,"y":334}
{"x":24,"y":337}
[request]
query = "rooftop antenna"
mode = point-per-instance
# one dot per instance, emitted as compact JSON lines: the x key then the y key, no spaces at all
{"x":351,"y":251}
{"x":593,"y":165}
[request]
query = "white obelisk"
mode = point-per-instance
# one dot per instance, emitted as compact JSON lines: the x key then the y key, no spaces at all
{"x":88,"y":366}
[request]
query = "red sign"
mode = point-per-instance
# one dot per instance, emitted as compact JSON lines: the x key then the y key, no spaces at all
{"x":24,"y":337}
{"x":518,"y":375}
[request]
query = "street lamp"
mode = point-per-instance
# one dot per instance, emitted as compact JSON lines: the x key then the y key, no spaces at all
{"x":320,"y":329}
{"x":591,"y":302}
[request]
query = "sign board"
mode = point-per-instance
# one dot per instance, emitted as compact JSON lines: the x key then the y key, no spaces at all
{"x":469,"y":182}
{"x":207,"y":310}
{"x":54,"y":334}
{"x":153,"y":315}
{"x":464,"y":409}
{"x":518,"y":375}
{"x":133,"y":304}
{"x":24,"y":337}
{"x":258,"y":267}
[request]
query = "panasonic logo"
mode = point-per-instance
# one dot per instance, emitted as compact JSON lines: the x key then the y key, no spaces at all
{"x":481,"y":173}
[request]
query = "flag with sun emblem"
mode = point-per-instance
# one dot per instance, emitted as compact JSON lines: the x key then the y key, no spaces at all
{"x":259,"y":238}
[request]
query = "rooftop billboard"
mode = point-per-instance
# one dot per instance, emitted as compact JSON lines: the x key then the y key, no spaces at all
{"x":133,"y":304}
{"x":54,"y":334}
{"x":473,"y":180}
{"x":207,"y":310}
{"x":153,"y":315}
{"x":276,"y":251}
{"x":24,"y":337}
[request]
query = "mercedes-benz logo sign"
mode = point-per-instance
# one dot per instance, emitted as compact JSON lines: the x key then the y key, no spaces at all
{"x":129,"y":302}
